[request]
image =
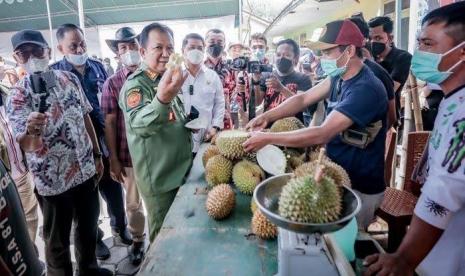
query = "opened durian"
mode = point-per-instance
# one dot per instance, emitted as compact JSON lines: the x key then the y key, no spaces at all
{"x":286,"y":124}
{"x":246,"y":175}
{"x":229,"y":143}
{"x":218,"y":170}
{"x":262,"y":227}
{"x":220,"y":201}
{"x":210,"y":151}
{"x":175,"y":60}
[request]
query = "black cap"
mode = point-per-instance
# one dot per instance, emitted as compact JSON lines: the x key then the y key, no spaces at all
{"x":28,"y":36}
{"x":124,"y":34}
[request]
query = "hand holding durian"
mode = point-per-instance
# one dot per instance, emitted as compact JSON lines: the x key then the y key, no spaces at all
{"x":172,"y":79}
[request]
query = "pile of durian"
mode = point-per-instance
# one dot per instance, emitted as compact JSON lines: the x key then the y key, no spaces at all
{"x":226,"y":163}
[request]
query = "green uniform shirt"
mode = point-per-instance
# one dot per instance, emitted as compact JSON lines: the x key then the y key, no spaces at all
{"x":159,"y":144}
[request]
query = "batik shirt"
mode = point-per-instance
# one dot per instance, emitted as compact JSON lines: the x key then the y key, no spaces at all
{"x":442,"y":202}
{"x":65,"y":159}
{"x":228,"y":80}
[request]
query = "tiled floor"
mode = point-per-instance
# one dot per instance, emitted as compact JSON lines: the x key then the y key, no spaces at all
{"x":118,"y":262}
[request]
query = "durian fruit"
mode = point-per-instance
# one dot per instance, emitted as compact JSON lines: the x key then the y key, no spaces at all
{"x":218,"y":170}
{"x":253,"y":206}
{"x":229,"y":143}
{"x":246,"y":175}
{"x":220,"y":201}
{"x":175,"y":60}
{"x":286,"y":124}
{"x":304,"y":199}
{"x":210,"y":151}
{"x":332,"y":170}
{"x":294,"y":159}
{"x":262,"y":227}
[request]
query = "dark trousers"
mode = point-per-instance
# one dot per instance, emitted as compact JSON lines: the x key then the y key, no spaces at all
{"x":81,"y":205}
{"x":112,"y":192}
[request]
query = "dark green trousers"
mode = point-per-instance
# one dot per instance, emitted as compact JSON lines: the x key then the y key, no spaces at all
{"x":157,"y":206}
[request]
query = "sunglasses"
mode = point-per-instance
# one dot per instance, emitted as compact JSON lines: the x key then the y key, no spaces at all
{"x":24,"y":54}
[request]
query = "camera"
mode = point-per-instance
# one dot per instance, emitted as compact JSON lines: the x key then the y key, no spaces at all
{"x":251,"y":66}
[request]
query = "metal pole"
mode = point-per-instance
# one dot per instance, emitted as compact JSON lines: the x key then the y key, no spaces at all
{"x":413,"y":25}
{"x":52,"y":44}
{"x":398,"y":27}
{"x":81,"y":16}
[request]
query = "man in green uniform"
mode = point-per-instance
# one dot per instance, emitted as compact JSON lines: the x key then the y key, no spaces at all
{"x":159,"y":144}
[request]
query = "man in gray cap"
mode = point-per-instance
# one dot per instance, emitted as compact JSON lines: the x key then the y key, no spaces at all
{"x":126,"y":47}
{"x":49,"y":114}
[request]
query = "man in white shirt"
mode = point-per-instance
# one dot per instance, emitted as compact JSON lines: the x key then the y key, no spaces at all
{"x":202,"y":90}
{"x":435,"y":242}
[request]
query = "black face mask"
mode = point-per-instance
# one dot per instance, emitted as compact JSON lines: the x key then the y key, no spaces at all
{"x":215,"y":50}
{"x":284,"y":65}
{"x":377,"y":48}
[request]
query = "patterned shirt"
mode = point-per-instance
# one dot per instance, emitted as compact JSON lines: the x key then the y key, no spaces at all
{"x":228,"y":80}
{"x":66,"y":159}
{"x":110,"y":98}
{"x":442,"y":200}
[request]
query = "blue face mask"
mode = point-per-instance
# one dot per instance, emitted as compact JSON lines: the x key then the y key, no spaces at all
{"x":330,"y":68}
{"x":260,"y":54}
{"x":425,"y":66}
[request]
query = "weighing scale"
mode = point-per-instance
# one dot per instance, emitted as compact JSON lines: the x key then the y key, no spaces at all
{"x":303,"y":249}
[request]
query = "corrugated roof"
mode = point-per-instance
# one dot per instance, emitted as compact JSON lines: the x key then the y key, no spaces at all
{"x":21,"y":14}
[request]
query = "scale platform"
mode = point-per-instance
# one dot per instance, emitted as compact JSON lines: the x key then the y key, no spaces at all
{"x":303,"y":249}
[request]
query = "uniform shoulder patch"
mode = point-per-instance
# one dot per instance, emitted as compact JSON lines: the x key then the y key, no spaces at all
{"x":133,"y":98}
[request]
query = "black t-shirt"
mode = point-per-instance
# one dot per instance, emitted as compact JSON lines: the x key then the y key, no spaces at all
{"x":296,"y":81}
{"x":363,"y":100}
{"x":397,"y":63}
{"x":383,"y":76}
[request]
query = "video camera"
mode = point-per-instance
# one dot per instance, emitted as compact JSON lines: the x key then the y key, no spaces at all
{"x":251,"y":66}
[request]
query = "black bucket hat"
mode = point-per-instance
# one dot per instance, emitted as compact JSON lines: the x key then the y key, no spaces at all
{"x":124,"y":34}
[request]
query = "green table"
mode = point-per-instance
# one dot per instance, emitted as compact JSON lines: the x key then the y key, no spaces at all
{"x":192,"y":243}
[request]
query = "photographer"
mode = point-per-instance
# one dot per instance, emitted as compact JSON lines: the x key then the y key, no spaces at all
{"x":259,"y":46}
{"x":62,"y":153}
{"x":274,"y":88}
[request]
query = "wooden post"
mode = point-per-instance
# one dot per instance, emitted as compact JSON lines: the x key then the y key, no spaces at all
{"x":415,"y":103}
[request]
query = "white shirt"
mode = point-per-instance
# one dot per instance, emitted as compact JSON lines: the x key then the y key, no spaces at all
{"x":442,"y":202}
{"x":207,"y":97}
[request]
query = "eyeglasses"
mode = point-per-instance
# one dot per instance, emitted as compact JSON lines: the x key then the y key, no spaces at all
{"x":24,"y":54}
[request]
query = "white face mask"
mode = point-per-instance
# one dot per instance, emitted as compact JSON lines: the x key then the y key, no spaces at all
{"x":130,"y":58}
{"x":34,"y":65}
{"x":195,"y":56}
{"x":77,"y":60}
